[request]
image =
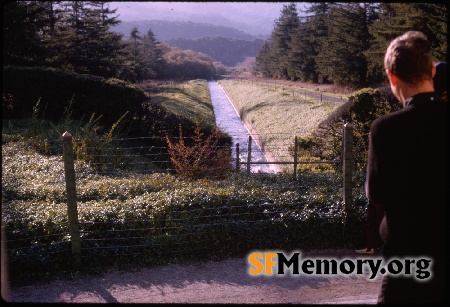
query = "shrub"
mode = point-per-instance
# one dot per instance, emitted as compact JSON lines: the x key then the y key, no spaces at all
{"x":362,"y":108}
{"x":202,"y":158}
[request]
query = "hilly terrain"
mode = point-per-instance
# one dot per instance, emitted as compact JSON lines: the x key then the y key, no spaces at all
{"x":164,"y":29}
{"x":228,"y":51}
{"x":223,"y":44}
{"x":255,"y":18}
{"x":228,"y":32}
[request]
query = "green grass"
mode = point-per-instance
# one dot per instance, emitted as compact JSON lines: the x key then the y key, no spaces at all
{"x":190,"y":100}
{"x":276,"y":115}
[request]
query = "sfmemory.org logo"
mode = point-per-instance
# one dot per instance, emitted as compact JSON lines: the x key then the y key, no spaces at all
{"x":276,"y":263}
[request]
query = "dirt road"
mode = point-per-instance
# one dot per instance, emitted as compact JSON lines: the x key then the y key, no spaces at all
{"x":212,"y":282}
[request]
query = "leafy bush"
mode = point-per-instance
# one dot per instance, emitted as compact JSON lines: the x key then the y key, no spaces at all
{"x":362,"y":108}
{"x":203,"y":157}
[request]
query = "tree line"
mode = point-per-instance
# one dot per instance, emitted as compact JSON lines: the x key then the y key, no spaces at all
{"x":344,"y":43}
{"x":227,"y":51}
{"x":77,"y":36}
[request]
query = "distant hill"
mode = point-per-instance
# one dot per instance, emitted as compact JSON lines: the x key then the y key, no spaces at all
{"x":228,"y":51}
{"x":255,"y":18}
{"x":165,"y":30}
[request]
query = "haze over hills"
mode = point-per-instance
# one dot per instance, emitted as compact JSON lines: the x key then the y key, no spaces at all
{"x":254,"y":18}
{"x":166,"y":29}
{"x":228,"y":32}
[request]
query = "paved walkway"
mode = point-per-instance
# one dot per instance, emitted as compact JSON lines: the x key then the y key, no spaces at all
{"x":212,"y":282}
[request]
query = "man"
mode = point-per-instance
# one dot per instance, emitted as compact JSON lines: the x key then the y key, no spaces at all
{"x":406,"y":171}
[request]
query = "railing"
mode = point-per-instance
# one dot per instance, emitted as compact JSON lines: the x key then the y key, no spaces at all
{"x":295,"y":161}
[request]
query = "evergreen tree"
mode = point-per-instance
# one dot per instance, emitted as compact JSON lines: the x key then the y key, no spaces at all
{"x":154,"y":53}
{"x":303,"y":52}
{"x":318,"y":23}
{"x":145,"y":56}
{"x":282,"y":33}
{"x":262,"y":60}
{"x":76,"y":36}
{"x":342,"y":53}
{"x":21,"y":40}
{"x":432,"y":20}
{"x":397,"y":18}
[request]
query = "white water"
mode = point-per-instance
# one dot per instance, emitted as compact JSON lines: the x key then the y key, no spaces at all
{"x":228,"y":120}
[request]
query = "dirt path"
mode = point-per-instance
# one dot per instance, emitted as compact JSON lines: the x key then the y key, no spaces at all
{"x":212,"y":282}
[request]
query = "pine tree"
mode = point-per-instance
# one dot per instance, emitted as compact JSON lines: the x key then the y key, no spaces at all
{"x":262,"y":60}
{"x":303,"y":52}
{"x":81,"y":40}
{"x":154,"y":53}
{"x":397,"y":18}
{"x":342,"y":54}
{"x":318,"y":24}
{"x":21,"y":40}
{"x":282,"y":33}
{"x":144,"y":56}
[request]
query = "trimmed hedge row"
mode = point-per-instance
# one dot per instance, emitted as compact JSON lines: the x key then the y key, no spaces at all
{"x":23,"y":87}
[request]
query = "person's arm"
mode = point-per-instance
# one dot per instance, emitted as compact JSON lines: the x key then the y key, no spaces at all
{"x":373,"y":184}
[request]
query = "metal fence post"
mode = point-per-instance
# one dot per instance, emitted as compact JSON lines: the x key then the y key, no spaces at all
{"x":72,"y":211}
{"x":348,"y":165}
{"x":249,"y":155}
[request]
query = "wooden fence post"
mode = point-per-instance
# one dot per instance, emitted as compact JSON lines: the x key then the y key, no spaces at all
{"x":72,"y":211}
{"x":295,"y":157}
{"x":237,"y":157}
{"x":249,"y":155}
{"x":348,"y":165}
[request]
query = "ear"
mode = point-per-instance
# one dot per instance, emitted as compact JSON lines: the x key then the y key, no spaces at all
{"x":392,"y":77}
{"x":433,"y":70}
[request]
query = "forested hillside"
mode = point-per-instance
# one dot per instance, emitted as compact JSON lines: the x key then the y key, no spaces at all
{"x":164,"y":29}
{"x":223,"y":44}
{"x":77,"y":36}
{"x":344,"y":43}
{"x":328,"y":43}
{"x":225,"y":50}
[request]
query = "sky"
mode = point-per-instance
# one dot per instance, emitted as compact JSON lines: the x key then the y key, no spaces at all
{"x":251,"y":14}
{"x":143,"y":9}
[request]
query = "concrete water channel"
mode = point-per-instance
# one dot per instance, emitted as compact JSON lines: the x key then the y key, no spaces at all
{"x":228,"y":120}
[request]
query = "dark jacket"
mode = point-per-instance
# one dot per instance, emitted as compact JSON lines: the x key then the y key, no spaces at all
{"x":406,"y":175}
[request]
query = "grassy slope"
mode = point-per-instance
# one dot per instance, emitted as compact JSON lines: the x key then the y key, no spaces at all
{"x":275,"y":115}
{"x":190,"y":100}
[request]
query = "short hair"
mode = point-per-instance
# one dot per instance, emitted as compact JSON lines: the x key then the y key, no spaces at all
{"x":409,"y":57}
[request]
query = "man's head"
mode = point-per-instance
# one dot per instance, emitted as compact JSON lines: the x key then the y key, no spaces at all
{"x":409,"y":64}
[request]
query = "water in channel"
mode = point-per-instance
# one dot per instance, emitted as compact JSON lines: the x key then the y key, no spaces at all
{"x":228,"y":120}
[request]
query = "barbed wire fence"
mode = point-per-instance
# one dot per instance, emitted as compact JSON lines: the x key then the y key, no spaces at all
{"x":294,"y":91}
{"x":184,"y":231}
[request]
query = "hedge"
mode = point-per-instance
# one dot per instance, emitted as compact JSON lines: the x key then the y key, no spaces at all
{"x":57,"y":88}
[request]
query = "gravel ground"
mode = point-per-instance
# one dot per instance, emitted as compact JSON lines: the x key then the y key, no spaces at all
{"x":211,"y":282}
